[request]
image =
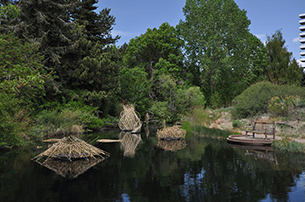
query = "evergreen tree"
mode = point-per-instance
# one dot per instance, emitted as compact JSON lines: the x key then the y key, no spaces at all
{"x":98,"y":26}
{"x":281,"y":69}
{"x":48,"y":25}
{"x":92,"y":66}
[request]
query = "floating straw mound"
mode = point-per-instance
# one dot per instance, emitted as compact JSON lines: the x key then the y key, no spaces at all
{"x":129,"y":143}
{"x":172,"y":145}
{"x":174,"y":132}
{"x":129,"y":118}
{"x":70,"y":148}
{"x":71,"y":169}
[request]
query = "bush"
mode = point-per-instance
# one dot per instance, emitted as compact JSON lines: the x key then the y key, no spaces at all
{"x":255,"y":99}
{"x":281,"y":105}
{"x":62,"y":119}
{"x":13,"y":121}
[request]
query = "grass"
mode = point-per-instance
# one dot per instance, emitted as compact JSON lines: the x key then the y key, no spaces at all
{"x":288,"y":145}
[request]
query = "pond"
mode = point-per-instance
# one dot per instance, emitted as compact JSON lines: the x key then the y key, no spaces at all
{"x":140,"y":168}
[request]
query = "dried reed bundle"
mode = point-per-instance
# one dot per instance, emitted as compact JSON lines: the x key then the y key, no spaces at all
{"x":129,"y":143}
{"x":174,"y":132}
{"x":129,"y":119}
{"x":69,"y":148}
{"x":71,"y":169}
{"x":172,"y":145}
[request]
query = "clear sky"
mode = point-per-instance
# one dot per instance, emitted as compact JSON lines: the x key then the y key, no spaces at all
{"x":134,"y":17}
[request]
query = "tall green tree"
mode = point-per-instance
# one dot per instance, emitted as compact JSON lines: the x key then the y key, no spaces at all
{"x":48,"y":25}
{"x":21,"y":85}
{"x":158,"y":51}
{"x":92,"y":66}
{"x":282,"y":69}
{"x":98,"y":26}
{"x":217,"y":41}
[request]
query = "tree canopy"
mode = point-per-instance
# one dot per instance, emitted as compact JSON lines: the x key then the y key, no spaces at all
{"x":217,"y":41}
{"x":281,"y":69}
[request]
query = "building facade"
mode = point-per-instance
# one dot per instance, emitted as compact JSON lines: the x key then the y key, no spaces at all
{"x":302,"y":38}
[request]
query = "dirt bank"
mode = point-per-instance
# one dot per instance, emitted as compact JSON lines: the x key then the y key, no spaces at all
{"x":290,"y":126}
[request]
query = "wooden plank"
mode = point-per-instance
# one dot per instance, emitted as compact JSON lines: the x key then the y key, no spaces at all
{"x":51,"y":140}
{"x":108,"y":140}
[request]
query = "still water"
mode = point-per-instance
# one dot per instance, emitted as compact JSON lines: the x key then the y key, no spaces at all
{"x":142,"y":169}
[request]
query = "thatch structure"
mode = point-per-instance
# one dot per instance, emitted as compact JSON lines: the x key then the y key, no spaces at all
{"x":71,"y":169}
{"x":171,"y":133}
{"x":129,"y":143}
{"x":71,"y":148}
{"x":130,"y":119}
{"x":172,"y":145}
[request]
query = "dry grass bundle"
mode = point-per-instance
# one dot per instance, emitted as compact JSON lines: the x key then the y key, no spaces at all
{"x":172,"y":145}
{"x":70,"y":148}
{"x":129,"y":143}
{"x":129,"y":119}
{"x":71,"y":169}
{"x":171,"y":133}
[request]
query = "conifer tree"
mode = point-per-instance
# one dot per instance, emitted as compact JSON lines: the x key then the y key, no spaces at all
{"x":92,"y":67}
{"x":47,"y":24}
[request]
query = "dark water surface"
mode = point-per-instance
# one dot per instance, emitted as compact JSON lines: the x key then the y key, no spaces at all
{"x":143,"y":169}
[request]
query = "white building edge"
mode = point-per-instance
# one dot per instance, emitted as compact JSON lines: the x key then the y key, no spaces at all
{"x":302,"y":38}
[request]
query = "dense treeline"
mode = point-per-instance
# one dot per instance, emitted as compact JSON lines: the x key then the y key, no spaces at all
{"x":60,"y":67}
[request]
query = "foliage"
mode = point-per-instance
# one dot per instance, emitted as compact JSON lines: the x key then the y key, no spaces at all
{"x":92,"y":67}
{"x":158,"y":51}
{"x":20,"y":65}
{"x":46,"y":24}
{"x":21,"y":84}
{"x":222,"y":56}
{"x":13,"y":121}
{"x":281,"y":69}
{"x":255,"y":99}
{"x":177,"y":100}
{"x":281,"y":105}
{"x":60,"y":120}
{"x":237,"y":124}
{"x":135,"y":88}
{"x":288,"y":145}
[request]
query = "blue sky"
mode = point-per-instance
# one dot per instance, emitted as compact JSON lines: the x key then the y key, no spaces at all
{"x":134,"y":17}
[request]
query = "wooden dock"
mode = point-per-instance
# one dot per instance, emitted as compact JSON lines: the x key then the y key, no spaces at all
{"x":249,"y":140}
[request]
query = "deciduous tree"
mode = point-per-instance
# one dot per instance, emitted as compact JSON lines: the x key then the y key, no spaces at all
{"x":217,"y":43}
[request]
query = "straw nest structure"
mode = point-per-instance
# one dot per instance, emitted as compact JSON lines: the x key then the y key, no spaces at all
{"x":172,"y":145}
{"x":71,"y":169}
{"x":129,"y":143}
{"x":171,"y":133}
{"x":71,"y":148}
{"x":130,"y":119}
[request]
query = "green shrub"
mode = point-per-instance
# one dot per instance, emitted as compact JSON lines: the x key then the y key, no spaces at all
{"x":281,"y":105}
{"x":255,"y":99}
{"x":13,"y":121}
{"x":62,"y":119}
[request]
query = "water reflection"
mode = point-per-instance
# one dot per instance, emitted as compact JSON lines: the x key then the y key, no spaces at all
{"x":207,"y":169}
{"x":129,"y":143}
{"x":173,"y":145}
{"x":71,"y":169}
{"x":258,"y":152}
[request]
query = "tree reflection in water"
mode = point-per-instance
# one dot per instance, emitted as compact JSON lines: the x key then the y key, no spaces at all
{"x":206,"y":169}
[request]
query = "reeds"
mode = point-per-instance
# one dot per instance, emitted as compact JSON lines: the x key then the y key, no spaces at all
{"x":129,"y":119}
{"x":129,"y":143}
{"x":172,"y":145}
{"x":71,"y":169}
{"x":171,"y":133}
{"x":69,"y":148}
